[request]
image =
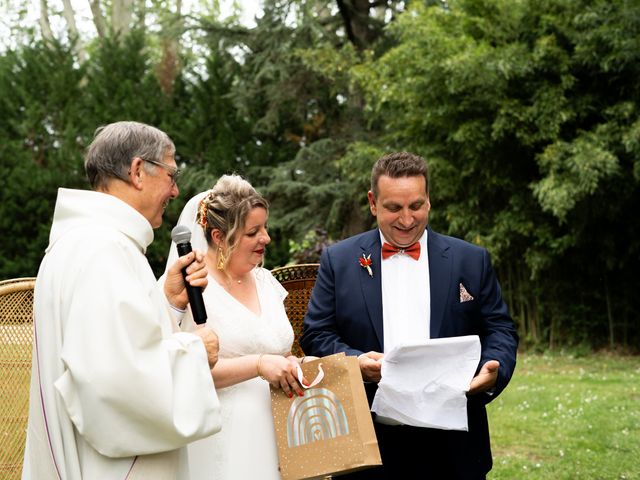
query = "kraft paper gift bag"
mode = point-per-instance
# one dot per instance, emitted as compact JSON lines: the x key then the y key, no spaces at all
{"x":329,"y":430}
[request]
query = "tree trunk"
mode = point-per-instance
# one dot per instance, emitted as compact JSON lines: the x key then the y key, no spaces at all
{"x":121,"y":14}
{"x":535,"y":314}
{"x":70,"y":18}
{"x":142,"y":13}
{"x":356,"y":222}
{"x":355,"y":16}
{"x":45,"y":25}
{"x":169,"y":66}
{"x":98,"y":18}
{"x":524,"y":300}
{"x":609,"y":314}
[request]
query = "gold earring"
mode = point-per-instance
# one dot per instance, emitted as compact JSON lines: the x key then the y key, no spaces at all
{"x":221,"y":259}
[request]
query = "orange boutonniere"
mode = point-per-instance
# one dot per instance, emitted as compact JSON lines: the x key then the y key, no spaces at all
{"x":365,"y":262}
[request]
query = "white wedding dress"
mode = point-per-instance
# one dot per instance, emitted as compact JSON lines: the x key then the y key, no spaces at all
{"x":245,"y":448}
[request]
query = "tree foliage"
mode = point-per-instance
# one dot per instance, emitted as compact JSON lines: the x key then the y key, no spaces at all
{"x":527,"y":112}
{"x":40,"y":149}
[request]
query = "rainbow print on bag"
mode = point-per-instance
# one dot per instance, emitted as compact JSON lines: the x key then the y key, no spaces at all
{"x":318,"y":415}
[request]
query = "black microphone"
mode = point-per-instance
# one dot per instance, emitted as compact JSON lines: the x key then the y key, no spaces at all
{"x":181,"y":235}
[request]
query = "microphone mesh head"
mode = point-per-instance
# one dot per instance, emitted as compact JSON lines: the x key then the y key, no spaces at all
{"x":180,"y":234}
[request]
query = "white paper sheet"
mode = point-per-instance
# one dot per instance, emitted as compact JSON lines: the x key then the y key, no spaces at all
{"x":424,"y":384}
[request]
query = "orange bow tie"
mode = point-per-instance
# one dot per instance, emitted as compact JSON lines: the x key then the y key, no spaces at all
{"x":412,"y":250}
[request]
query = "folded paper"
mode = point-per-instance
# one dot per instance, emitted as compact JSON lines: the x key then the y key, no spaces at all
{"x":424,"y":384}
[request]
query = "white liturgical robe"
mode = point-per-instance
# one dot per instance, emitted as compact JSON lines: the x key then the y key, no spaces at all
{"x":116,"y":391}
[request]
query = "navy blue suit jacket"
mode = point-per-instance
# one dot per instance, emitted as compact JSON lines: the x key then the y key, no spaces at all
{"x":345,"y":312}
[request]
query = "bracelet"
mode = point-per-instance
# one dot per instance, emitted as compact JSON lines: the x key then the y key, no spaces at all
{"x":259,"y":361}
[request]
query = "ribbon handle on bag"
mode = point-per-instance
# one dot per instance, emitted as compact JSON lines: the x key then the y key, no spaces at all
{"x":316,"y":381}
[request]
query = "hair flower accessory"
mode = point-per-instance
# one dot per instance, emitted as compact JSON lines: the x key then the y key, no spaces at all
{"x":365,"y":262}
{"x":201,"y":216}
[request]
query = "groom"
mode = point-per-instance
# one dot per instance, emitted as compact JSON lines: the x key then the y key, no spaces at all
{"x":402,"y":283}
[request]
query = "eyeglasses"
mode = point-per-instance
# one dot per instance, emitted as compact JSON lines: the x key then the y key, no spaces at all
{"x":174,"y":172}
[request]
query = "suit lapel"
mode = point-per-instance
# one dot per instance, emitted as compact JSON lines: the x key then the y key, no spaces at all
{"x":372,"y":287}
{"x":439,"y":280}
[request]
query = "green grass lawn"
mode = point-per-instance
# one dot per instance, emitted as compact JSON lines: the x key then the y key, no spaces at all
{"x":569,"y":418}
{"x":560,"y":418}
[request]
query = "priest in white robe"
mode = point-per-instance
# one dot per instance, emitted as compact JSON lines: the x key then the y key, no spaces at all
{"x":117,"y":391}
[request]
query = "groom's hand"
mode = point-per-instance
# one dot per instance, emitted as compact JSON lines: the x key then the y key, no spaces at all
{"x":370,"y":366}
{"x":486,"y":377}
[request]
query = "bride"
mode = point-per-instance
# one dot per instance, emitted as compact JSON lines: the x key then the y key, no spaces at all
{"x":245,"y":308}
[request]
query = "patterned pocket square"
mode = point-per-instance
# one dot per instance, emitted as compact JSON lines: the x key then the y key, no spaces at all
{"x":464,"y":295}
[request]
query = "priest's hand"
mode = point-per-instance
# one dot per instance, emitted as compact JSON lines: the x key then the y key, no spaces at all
{"x":370,"y":366}
{"x":486,"y":377}
{"x":210,"y":340}
{"x":174,"y":286}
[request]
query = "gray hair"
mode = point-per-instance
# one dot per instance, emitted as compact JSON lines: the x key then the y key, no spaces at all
{"x":399,"y":164}
{"x":114,"y":146}
{"x":226,"y":208}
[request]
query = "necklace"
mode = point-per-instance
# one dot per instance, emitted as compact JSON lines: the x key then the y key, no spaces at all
{"x":237,"y":280}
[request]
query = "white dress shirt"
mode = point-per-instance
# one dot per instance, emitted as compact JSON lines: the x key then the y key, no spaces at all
{"x":406,"y":297}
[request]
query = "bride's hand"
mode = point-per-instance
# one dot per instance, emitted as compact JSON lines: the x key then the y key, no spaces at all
{"x":296,"y":361}
{"x":281,"y":372}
